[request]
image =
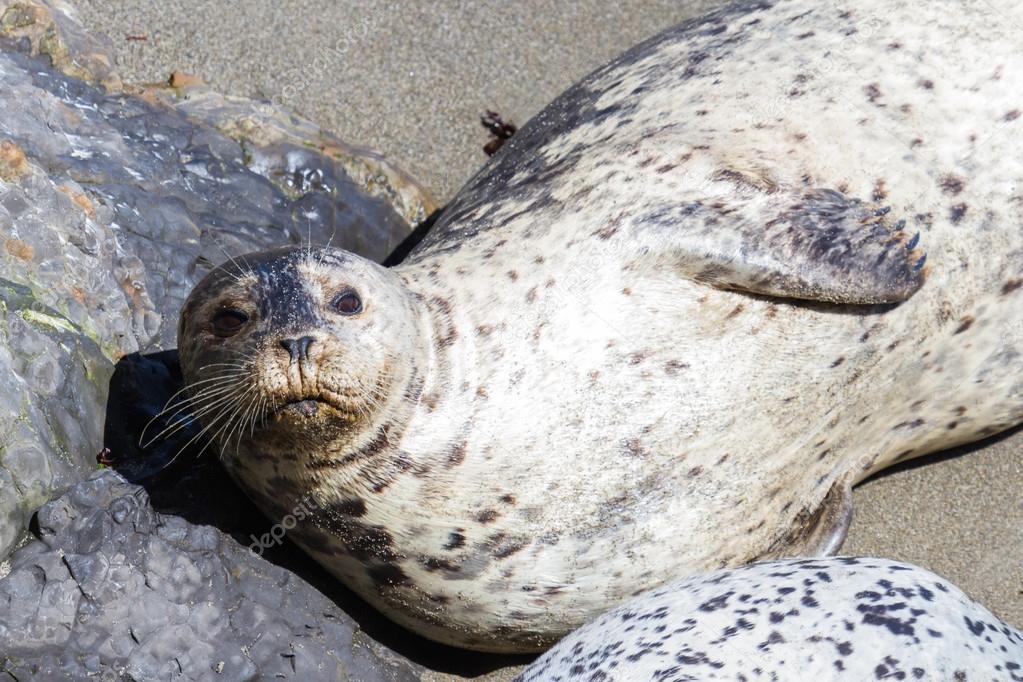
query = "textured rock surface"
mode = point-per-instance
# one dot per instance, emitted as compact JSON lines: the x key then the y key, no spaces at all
{"x":113,"y":202}
{"x":113,"y":588}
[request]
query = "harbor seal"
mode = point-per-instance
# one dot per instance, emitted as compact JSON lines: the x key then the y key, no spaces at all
{"x":841,"y":618}
{"x":664,"y":331}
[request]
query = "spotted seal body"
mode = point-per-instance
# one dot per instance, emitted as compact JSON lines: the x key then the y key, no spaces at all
{"x":836,"y":619}
{"x":664,"y":331}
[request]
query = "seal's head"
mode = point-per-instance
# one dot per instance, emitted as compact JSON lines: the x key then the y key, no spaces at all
{"x":316,"y":338}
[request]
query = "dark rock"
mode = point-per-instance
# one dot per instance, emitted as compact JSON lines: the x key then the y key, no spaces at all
{"x":112,"y":586}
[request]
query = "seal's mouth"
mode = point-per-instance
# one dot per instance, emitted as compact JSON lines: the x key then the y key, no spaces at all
{"x":305,"y":407}
{"x":308,"y":407}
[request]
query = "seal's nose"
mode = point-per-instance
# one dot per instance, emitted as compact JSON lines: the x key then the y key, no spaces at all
{"x":298,"y":349}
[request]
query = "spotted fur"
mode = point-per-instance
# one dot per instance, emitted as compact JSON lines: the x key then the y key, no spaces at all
{"x":842,"y":618}
{"x":665,"y":330}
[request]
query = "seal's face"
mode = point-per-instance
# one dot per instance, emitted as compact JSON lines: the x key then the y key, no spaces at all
{"x":293,"y":345}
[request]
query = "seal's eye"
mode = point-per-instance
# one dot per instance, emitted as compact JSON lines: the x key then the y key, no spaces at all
{"x":228,"y":321}
{"x":347,"y":302}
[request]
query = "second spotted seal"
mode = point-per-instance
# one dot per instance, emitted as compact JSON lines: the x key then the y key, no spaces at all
{"x":664,"y":331}
{"x":841,"y":619}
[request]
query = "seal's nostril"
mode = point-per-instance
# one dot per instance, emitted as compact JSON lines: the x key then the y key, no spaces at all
{"x":298,"y":349}
{"x":303,"y":346}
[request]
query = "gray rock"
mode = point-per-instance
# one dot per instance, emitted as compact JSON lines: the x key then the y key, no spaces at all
{"x":114,"y":201}
{"x":113,"y":588}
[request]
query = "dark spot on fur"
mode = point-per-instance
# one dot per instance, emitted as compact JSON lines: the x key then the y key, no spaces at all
{"x":487,"y":516}
{"x":957,"y":212}
{"x":455,"y":540}
{"x":759,"y":183}
{"x":735,"y":311}
{"x":951,"y":184}
{"x":637,"y":357}
{"x":379,"y":443}
{"x":926,"y":84}
{"x":364,"y":543}
{"x":873,"y":92}
{"x":432,"y":564}
{"x":352,"y":507}
{"x":512,"y":275}
{"x":388,"y":574}
{"x":1011,"y":286}
{"x":444,"y":306}
{"x":505,"y":547}
{"x":610,"y":229}
{"x":965,"y":324}
{"x":634,"y":448}
{"x":507,"y":499}
{"x":457,"y":454}
{"x":916,"y":142}
{"x":1011,"y":115}
{"x":673,"y":367}
{"x":880,"y":193}
{"x":695,"y":471}
{"x":838,"y":362}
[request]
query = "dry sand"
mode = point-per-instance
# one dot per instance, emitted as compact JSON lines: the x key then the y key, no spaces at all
{"x":411,"y":79}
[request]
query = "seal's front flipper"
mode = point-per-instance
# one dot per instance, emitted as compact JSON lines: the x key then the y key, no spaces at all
{"x":818,"y":531}
{"x":813,"y":244}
